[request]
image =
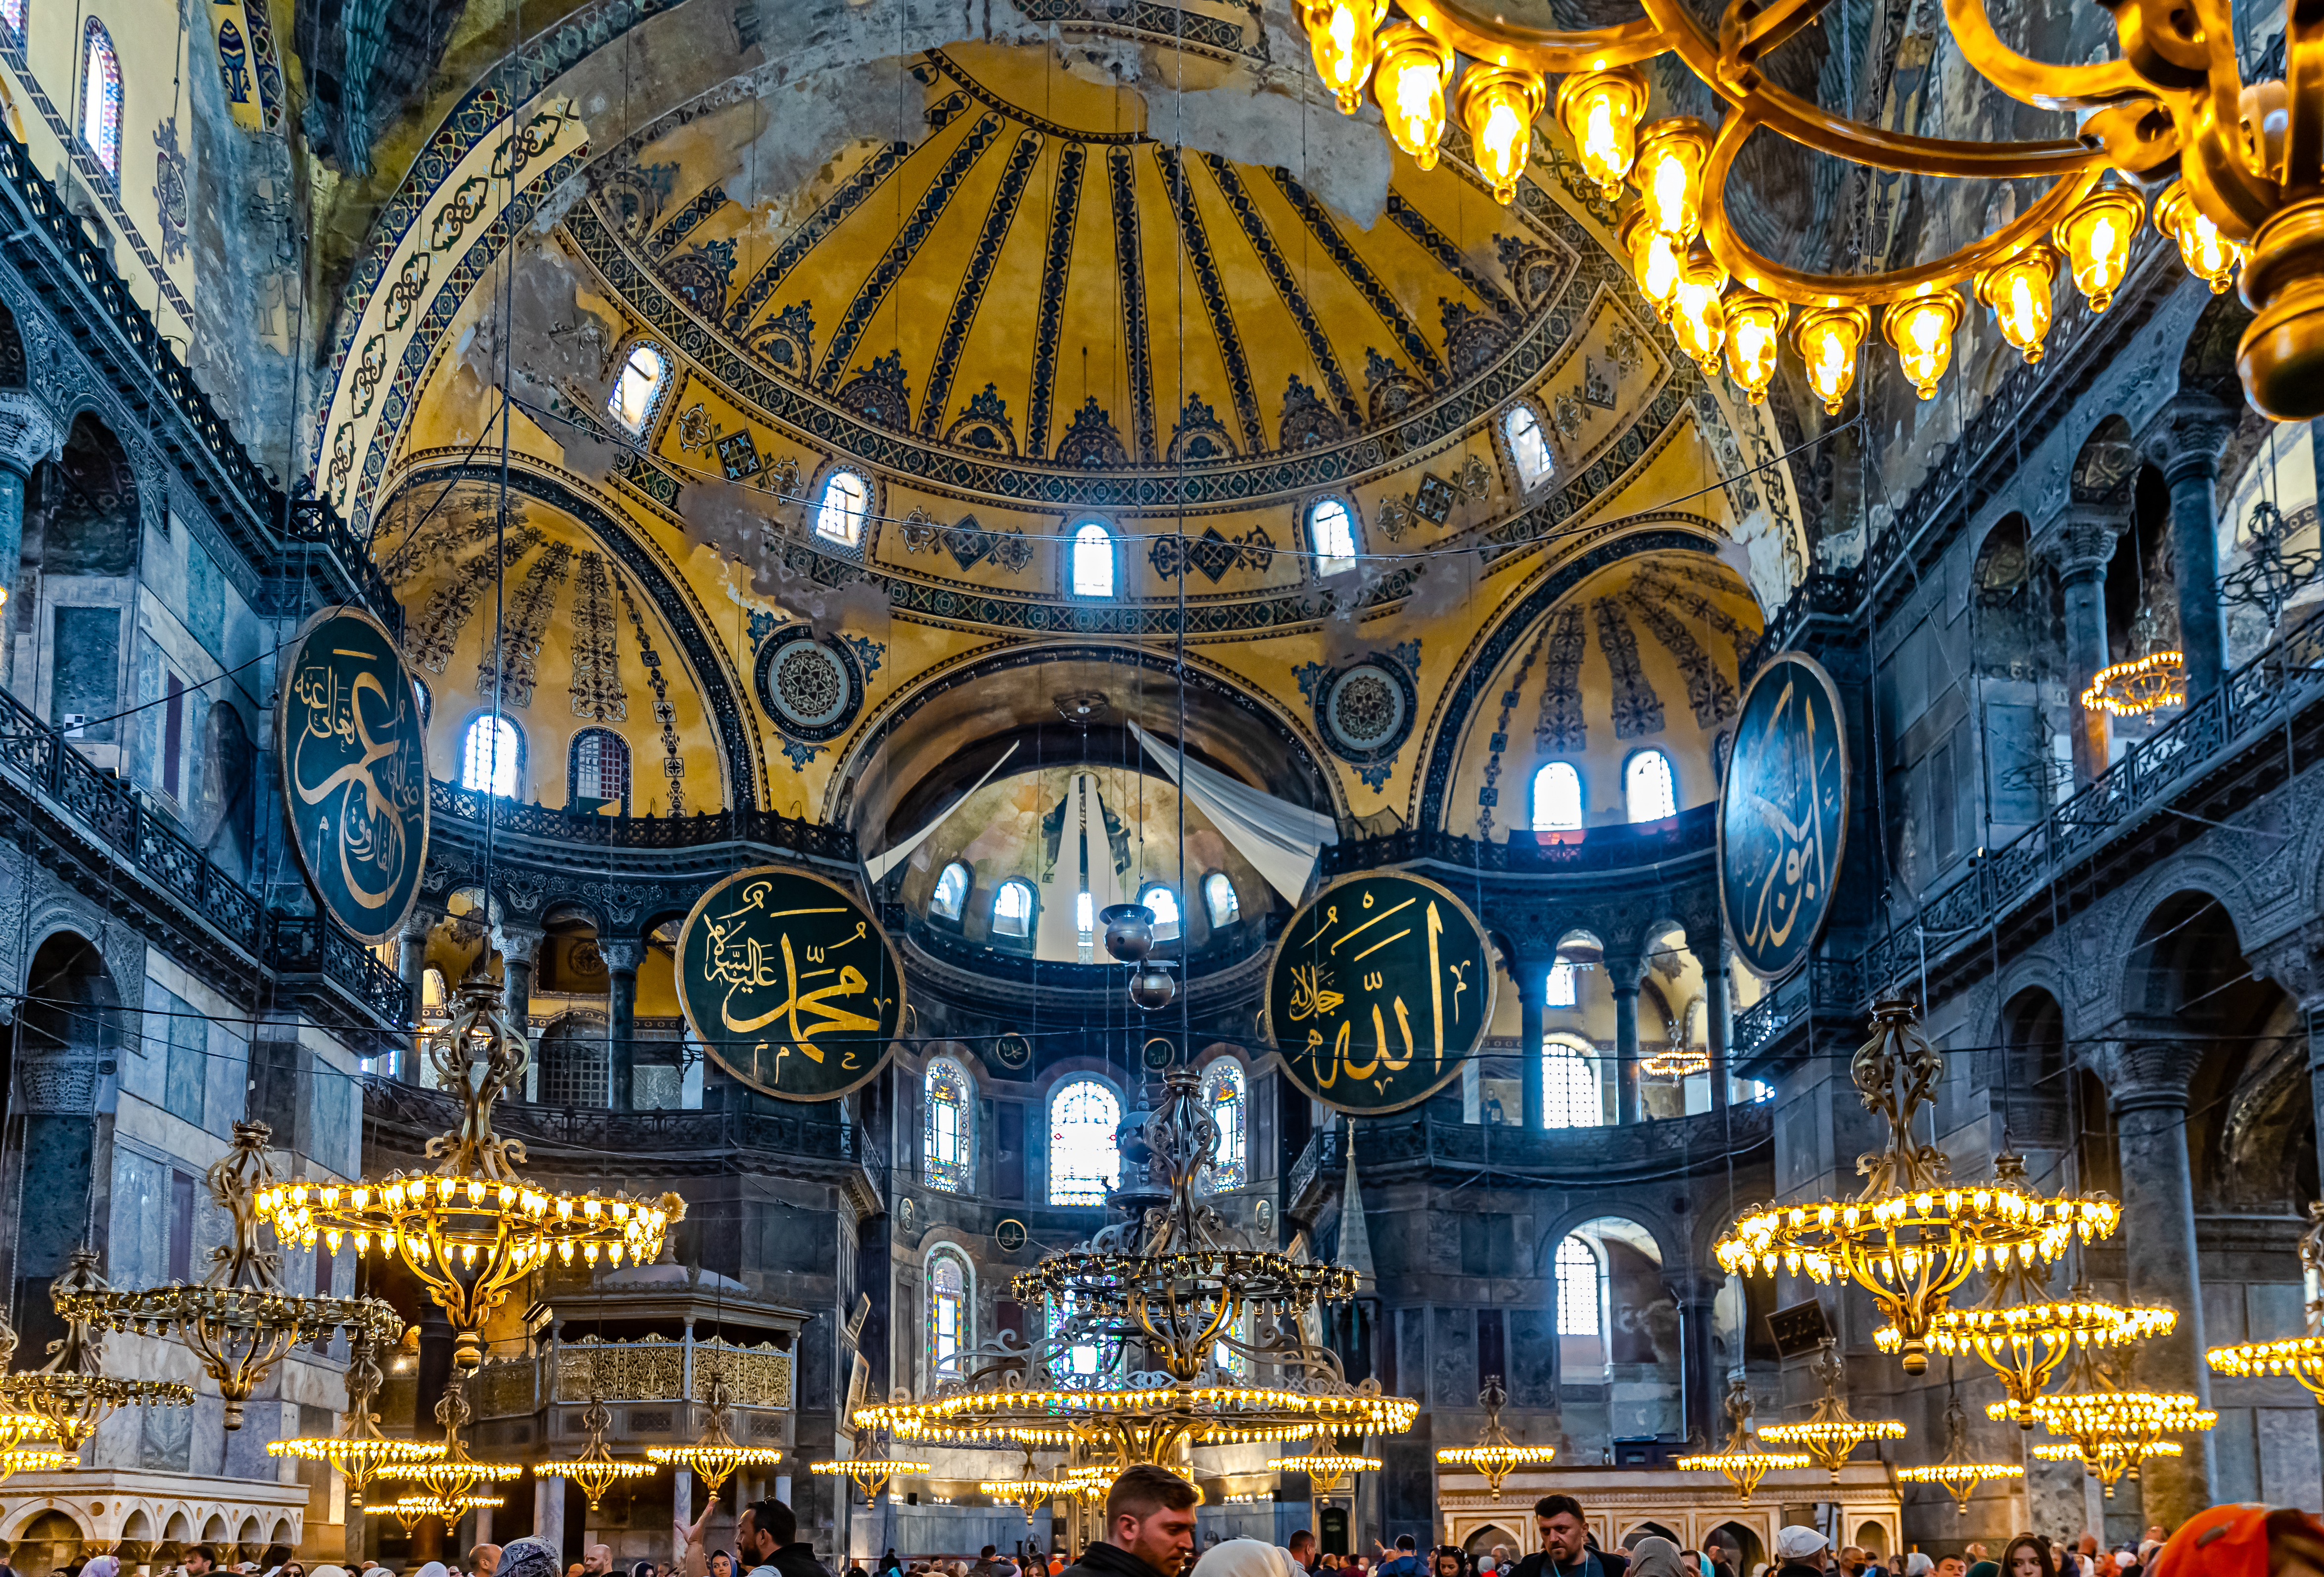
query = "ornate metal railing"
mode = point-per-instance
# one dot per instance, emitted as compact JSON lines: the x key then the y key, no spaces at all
{"x":1601,"y":848}
{"x":1243,"y":942}
{"x":1821,"y":593}
{"x":829,"y":1134}
{"x":457,"y":809}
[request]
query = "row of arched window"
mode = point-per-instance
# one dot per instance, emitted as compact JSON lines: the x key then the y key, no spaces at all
{"x":1013,"y":903}
{"x":597,"y":762}
{"x":1649,"y":792}
{"x":99,"y":84}
{"x":1084,"y":1113}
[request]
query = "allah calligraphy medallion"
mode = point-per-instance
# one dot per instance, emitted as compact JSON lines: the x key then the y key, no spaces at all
{"x":1381,"y":986}
{"x":790,"y":983}
{"x":1783,"y":816}
{"x":355,"y":771}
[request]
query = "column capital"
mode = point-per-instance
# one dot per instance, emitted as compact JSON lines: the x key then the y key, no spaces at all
{"x":29,"y":434}
{"x":2294,"y":961}
{"x":419,"y":921}
{"x":2187,"y":436}
{"x":622,"y":956}
{"x":2079,"y":538}
{"x":2151,"y":1073}
{"x":1624,"y":972}
{"x":517,"y":940}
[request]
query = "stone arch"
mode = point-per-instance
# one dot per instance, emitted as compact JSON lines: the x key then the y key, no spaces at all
{"x":576,"y":1069}
{"x":82,"y":512}
{"x":1482,"y":1541}
{"x":50,"y":1538}
{"x":2184,"y":948}
{"x":2104,"y":464}
{"x":2034,"y":1065}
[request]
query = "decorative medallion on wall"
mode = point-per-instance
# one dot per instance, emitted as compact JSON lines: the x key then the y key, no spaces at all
{"x":1012,"y":1051}
{"x":1365,"y":711}
{"x":812,"y":689}
{"x":1009,"y":1234}
{"x":904,"y":1213}
{"x":1159,"y":1052}
{"x":1783,"y":816}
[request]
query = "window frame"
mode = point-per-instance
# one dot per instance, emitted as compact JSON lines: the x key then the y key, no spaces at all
{"x":1556,"y":1114}
{"x":1216,"y":1073}
{"x":1562,"y":1269}
{"x":957,"y":1173}
{"x":572,"y":766}
{"x":1076,"y":538}
{"x":1570,"y":973}
{"x":1581,"y":796}
{"x":865,"y":510}
{"x":1629,"y":797}
{"x":517,"y":767}
{"x":1329,"y":565}
{"x":656,"y":389}
{"x":1177,"y":920}
{"x":1505,"y":430}
{"x":1056,"y":1097}
{"x":964,"y":1333}
{"x":1032,"y":913}
{"x":94,"y":33}
{"x":1211,"y":909}
{"x":959,"y":904}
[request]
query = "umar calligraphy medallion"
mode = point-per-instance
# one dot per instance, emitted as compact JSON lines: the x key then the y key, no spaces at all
{"x":1381,"y":986}
{"x":355,"y":771}
{"x":790,"y":983}
{"x":1783,"y":816}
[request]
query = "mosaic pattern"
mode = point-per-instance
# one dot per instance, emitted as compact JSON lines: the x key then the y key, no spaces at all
{"x":812,"y":689}
{"x":1439,"y":245}
{"x":1129,"y":275}
{"x":509,"y":671}
{"x":969,"y":543}
{"x":673,"y":763}
{"x":819,"y":224}
{"x":1490,"y":795}
{"x":1358,"y":274}
{"x":1212,"y":554}
{"x":686,"y":221}
{"x":1665,"y":584}
{"x":1196,"y":244}
{"x":1709,"y":693}
{"x":451,"y":605}
{"x":1048,"y":331}
{"x":1366,"y":711}
{"x":1562,"y":729}
{"x":171,"y":207}
{"x":1638,"y":710}
{"x":597,"y":693}
{"x":1279,"y":273}
{"x":977,"y":275}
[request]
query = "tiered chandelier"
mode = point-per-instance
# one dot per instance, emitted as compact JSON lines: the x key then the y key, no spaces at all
{"x":1495,"y":1455}
{"x":1913,"y":1235}
{"x":71,"y":1395}
{"x":473,"y":1228}
{"x":1154,"y":1325}
{"x":240,"y":1319}
{"x":2109,"y":1429}
{"x":16,"y":1428}
{"x":359,"y":1450}
{"x":1831,"y":1433}
{"x":869,"y":1468}
{"x":455,"y":1482}
{"x":1741,"y":1459}
{"x":2300,"y":1357}
{"x":596,"y":1470}
{"x":2234,"y":184}
{"x":1960,"y":1472}
{"x":715,"y":1454}
{"x":1329,"y":1472}
{"x":410,"y":1511}
{"x":1029,"y":1489}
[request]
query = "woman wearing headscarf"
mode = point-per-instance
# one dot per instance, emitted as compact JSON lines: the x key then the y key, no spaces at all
{"x":529,"y":1556}
{"x":1246,"y":1558}
{"x":434,"y":1569}
{"x":1656,"y":1556}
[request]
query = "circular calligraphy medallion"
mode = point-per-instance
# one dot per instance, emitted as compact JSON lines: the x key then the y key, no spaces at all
{"x":1382,"y":983}
{"x":1013,"y":1050}
{"x":790,"y":983}
{"x":1009,"y":1234}
{"x":354,"y":754}
{"x":811,"y":688}
{"x":1158,"y":1052}
{"x":1783,"y":816}
{"x":1365,"y":712}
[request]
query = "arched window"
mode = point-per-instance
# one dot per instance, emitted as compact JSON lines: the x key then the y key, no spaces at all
{"x":1222,"y":1095}
{"x":1093,"y":561}
{"x":945,"y":1149}
{"x":1522,"y":427}
{"x":490,"y":756}
{"x":638,"y":389}
{"x":12,"y":15}
{"x":1165,"y":905}
{"x":1219,"y":897}
{"x":1646,"y":784}
{"x":1556,"y":798}
{"x":598,"y":768}
{"x":1569,"y":1086}
{"x":949,"y":1285}
{"x":1012,"y":909}
{"x":1563,"y":979}
{"x":100,"y":98}
{"x":1085,"y":915}
{"x":952,"y":891}
{"x":1331,"y":532}
{"x":1580,"y":1295}
{"x":421,"y":700}
{"x":846,"y":499}
{"x":431,"y":993}
{"x":1082,"y":1160}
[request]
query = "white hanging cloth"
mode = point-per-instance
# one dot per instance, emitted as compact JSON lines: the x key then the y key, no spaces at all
{"x":1280,"y":839}
{"x":879,"y":865}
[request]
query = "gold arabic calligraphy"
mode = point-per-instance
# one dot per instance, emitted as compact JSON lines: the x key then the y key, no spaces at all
{"x":750,"y":964}
{"x":1797,"y":871}
{"x":1317,"y":998}
{"x":371,"y":831}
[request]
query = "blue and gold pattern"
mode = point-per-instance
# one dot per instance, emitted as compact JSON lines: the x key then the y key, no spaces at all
{"x":1783,"y":816}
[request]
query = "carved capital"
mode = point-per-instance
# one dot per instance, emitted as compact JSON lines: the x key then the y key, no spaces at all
{"x":620,"y":957}
{"x":29,"y":434}
{"x":2187,"y":436}
{"x":422,"y":919}
{"x":2081,"y":538}
{"x":2294,"y":961}
{"x":2150,"y":1075}
{"x":515,"y":940}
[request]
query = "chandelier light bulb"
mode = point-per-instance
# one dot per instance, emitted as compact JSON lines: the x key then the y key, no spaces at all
{"x":2018,"y":291}
{"x":1697,"y":317}
{"x":2096,"y":238}
{"x":1754,"y":326}
{"x":2208,"y":256}
{"x":1653,"y":261}
{"x":1827,"y":339}
{"x":1669,"y":176}
{"x":1408,"y":84}
{"x":1498,"y":107}
{"x":1922,"y":330}
{"x":1599,"y":110}
{"x":1340,"y":36}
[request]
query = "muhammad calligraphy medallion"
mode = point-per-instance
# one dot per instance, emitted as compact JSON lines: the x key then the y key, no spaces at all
{"x":790,"y":983}
{"x":355,"y":771}
{"x":1382,"y":985}
{"x":1783,"y":816}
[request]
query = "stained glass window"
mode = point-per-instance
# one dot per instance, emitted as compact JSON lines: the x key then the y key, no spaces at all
{"x":951,"y":892}
{"x":1226,"y":1359}
{"x":1082,"y":1357}
{"x":1569,"y":1086}
{"x":1579,"y":1297}
{"x":1556,"y":798}
{"x":1165,"y":905}
{"x":1082,"y":1160}
{"x":1093,"y":561}
{"x":489,"y":756}
{"x":1012,"y":909}
{"x":639,"y":389}
{"x":1646,"y":782}
{"x":1220,"y":897}
{"x":1332,"y":531}
{"x":598,"y":768}
{"x":1224,"y":1098}
{"x":1523,"y":430}
{"x":12,"y":14}
{"x":944,"y":1151}
{"x":100,"y":98}
{"x":948,"y":1316}
{"x":846,"y":499}
{"x":1562,"y":983}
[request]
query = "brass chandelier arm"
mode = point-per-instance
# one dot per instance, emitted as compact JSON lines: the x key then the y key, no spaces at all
{"x":1770,"y":278}
{"x":1541,"y":49}
{"x":2037,"y":82}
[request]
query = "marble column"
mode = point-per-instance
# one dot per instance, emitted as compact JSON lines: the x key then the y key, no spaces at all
{"x":1532,"y":996}
{"x":2149,"y":1095}
{"x":1700,"y":1385}
{"x":621,"y":961}
{"x":549,"y":1511}
{"x":1622,"y":973}
{"x":518,"y":944}
{"x":2082,"y":543}
{"x":28,"y":436}
{"x":2185,"y":441}
{"x":1709,"y":950}
{"x":413,"y":956}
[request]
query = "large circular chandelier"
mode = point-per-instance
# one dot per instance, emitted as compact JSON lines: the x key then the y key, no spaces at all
{"x":2109,"y":1429}
{"x":1960,"y":1471}
{"x":715,"y":1454}
{"x":473,"y":1228}
{"x":1168,"y":1328}
{"x":1495,"y":1455}
{"x":2172,"y":118}
{"x":240,"y":1319}
{"x":454,"y":1480}
{"x":359,"y":1450}
{"x":1741,"y":1459}
{"x":1329,"y":1472}
{"x":596,"y":1470}
{"x":1913,"y":1235}
{"x":71,"y":1395}
{"x":869,"y":1468}
{"x":2301,"y":1357}
{"x":1831,"y":1433}
{"x":2023,"y":1335}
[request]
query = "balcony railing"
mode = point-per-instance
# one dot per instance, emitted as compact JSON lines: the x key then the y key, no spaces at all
{"x":1599,"y":848}
{"x":457,"y":809}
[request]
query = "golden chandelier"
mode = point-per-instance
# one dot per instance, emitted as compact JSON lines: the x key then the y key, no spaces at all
{"x":16,"y":1428}
{"x":1831,"y":1433}
{"x":359,"y":1450}
{"x":2300,"y":1357}
{"x":1495,"y":1455}
{"x":72,"y":1393}
{"x":2109,"y":1429}
{"x":1913,"y":1235}
{"x":454,"y":1480}
{"x":1153,"y":1326}
{"x":240,"y":1319}
{"x":1740,"y":1459}
{"x":1028,"y":1491}
{"x":1329,"y":1472}
{"x":473,"y":1228}
{"x":1960,"y":1472}
{"x":715,"y":1454}
{"x":412,"y":1509}
{"x":2236,"y":186}
{"x":596,"y":1470}
{"x":870,"y":1471}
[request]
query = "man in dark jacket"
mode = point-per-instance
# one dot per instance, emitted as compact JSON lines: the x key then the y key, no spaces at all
{"x":1149,"y":1527}
{"x":766,"y":1538}
{"x":1566,"y":1548}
